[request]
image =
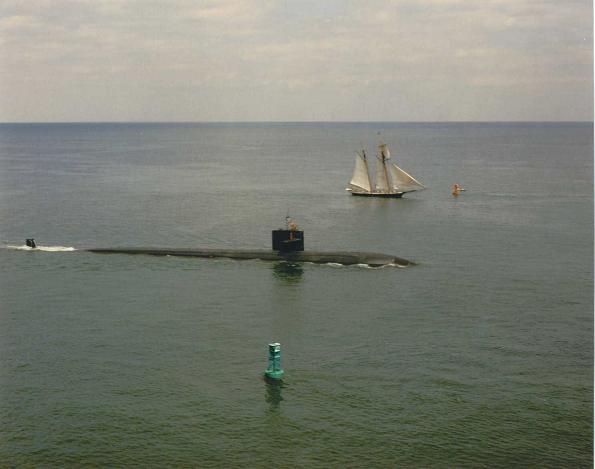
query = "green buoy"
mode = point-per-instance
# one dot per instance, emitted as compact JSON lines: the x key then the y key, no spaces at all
{"x":274,"y":371}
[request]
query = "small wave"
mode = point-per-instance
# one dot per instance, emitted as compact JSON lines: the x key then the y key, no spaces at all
{"x":368,"y":266}
{"x":372,"y":267}
{"x":43,"y":248}
{"x":383,"y":266}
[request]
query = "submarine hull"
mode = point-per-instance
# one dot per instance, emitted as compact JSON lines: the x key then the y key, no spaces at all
{"x":319,"y":257}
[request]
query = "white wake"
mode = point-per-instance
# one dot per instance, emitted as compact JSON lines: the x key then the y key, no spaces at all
{"x":43,"y":248}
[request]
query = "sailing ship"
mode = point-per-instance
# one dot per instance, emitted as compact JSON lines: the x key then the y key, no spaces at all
{"x":391,"y":181}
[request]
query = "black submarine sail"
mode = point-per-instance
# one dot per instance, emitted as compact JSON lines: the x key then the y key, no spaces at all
{"x":391,"y":181}
{"x":290,"y":239}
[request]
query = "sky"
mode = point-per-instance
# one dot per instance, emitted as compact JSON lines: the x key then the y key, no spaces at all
{"x":296,"y":60}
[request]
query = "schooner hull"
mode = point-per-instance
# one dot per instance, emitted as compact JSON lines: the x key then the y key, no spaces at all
{"x":383,"y":195}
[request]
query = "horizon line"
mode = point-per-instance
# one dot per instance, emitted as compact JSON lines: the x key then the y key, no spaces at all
{"x":309,"y":122}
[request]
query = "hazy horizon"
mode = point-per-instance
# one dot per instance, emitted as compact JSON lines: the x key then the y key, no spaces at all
{"x":306,"y":122}
{"x":308,"y":61}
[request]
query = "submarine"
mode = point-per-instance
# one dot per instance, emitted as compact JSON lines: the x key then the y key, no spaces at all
{"x":287,"y":245}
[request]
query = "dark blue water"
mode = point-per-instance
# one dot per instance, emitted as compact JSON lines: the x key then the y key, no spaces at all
{"x":480,"y":356}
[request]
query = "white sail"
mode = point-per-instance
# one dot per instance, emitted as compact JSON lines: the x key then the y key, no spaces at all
{"x":402,"y":181}
{"x":384,"y":151}
{"x":381,"y":177}
{"x":360,"y":179}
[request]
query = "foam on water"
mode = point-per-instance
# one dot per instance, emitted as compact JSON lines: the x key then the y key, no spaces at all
{"x":42,"y":248}
{"x":366,"y":266}
{"x":376,"y":267}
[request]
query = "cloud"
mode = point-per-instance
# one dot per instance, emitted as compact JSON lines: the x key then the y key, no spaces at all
{"x":227,"y":11}
{"x":17,"y":23}
{"x":326,"y":55}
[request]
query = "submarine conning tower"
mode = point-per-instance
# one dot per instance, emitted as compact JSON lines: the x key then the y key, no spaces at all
{"x":289,"y":239}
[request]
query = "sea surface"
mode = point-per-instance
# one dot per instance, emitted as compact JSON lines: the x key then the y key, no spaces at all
{"x":479,"y":356}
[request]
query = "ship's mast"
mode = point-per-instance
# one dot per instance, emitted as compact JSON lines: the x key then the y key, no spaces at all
{"x":385,"y":155}
{"x":365,"y":158}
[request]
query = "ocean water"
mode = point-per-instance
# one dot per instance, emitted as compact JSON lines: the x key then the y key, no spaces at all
{"x":479,"y":356}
